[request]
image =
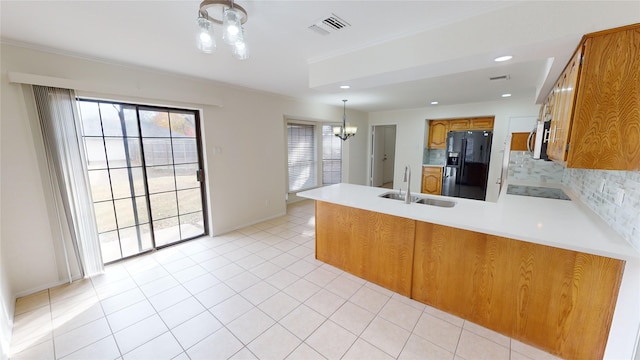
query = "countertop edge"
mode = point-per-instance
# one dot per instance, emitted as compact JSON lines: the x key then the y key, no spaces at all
{"x":562,"y":224}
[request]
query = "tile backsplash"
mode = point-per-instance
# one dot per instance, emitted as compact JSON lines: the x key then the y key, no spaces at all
{"x":433,"y":156}
{"x":624,"y":218}
{"x":523,"y":167}
{"x":587,"y":185}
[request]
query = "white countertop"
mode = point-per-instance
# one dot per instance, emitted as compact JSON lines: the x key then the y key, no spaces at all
{"x":558,"y":223}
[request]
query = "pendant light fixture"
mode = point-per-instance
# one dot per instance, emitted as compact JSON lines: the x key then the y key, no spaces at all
{"x":206,"y":41}
{"x":344,"y":132}
{"x":232,"y":17}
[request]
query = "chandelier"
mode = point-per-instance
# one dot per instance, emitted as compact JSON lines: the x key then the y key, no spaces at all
{"x":231,"y":16}
{"x":344,"y":132}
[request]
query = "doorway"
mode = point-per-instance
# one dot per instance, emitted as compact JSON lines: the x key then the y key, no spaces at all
{"x":145,"y":175}
{"x":383,"y":155}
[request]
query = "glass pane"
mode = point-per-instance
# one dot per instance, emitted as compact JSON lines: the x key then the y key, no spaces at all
{"x":166,"y":231}
{"x":111,"y":125}
{"x":110,"y":246}
{"x":100,"y":187}
{"x":157,"y":151}
{"x":125,"y":180}
{"x":96,"y":157}
{"x":105,"y":217}
{"x":131,"y":121}
{"x":185,"y":151}
{"x":128,"y":215}
{"x":191,"y":225}
{"x":160,"y":178}
{"x":135,"y":151}
{"x":154,"y":123}
{"x":186,"y":176}
{"x":189,"y":201}
{"x":90,"y":117}
{"x":115,"y":152}
{"x":135,"y":240}
{"x":163,"y":205}
{"x":183,"y":125}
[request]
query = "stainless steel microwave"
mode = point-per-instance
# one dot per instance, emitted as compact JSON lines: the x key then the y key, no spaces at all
{"x":538,"y":140}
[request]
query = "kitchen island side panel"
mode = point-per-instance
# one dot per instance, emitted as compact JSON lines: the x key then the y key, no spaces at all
{"x":559,"y":300}
{"x":374,"y":246}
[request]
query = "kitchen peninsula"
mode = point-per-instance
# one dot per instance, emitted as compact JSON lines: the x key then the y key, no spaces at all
{"x":547,"y":272}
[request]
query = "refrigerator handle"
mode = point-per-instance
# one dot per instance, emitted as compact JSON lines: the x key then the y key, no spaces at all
{"x":463,"y":155}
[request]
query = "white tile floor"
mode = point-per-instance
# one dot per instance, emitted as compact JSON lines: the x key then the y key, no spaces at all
{"x":256,"y":293}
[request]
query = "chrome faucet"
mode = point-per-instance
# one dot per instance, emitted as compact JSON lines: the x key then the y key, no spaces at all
{"x":407,"y":179}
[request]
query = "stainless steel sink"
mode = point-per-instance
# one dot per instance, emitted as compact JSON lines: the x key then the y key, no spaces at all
{"x":419,"y":200}
{"x":398,"y":196}
{"x":436,"y":202}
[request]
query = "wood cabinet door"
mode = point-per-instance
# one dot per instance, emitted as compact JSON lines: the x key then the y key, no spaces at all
{"x":459,"y":124}
{"x":565,"y":95}
{"x":485,"y":123}
{"x":519,"y":141}
{"x":432,"y":180}
{"x":606,"y":129}
{"x":438,"y":130}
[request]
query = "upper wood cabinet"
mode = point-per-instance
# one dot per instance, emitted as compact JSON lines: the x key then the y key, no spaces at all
{"x":431,"y":180}
{"x":484,"y":123}
{"x":458,"y":125}
{"x":563,"y":103}
{"x":519,"y":141}
{"x":596,"y":118}
{"x":438,"y":129}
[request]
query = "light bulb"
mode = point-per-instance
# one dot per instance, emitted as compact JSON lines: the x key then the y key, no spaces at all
{"x":240,"y":48}
{"x":232,"y":25}
{"x":205,"y":39}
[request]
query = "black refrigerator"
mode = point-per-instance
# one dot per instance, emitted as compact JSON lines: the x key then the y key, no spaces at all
{"x":467,"y":167}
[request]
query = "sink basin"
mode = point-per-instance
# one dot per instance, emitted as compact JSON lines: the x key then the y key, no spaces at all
{"x":397,"y":196}
{"x":419,"y":200}
{"x":436,"y":202}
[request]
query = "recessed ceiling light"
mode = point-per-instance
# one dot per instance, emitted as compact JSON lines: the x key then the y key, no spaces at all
{"x":503,"y":58}
{"x":506,"y":95}
{"x":434,"y":103}
{"x":345,"y":87}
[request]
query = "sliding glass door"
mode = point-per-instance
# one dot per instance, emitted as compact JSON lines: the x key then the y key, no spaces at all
{"x":145,"y":172}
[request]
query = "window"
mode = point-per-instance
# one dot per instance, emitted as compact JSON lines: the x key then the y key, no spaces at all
{"x":331,"y":156}
{"x":302,"y":161}
{"x":306,"y":144}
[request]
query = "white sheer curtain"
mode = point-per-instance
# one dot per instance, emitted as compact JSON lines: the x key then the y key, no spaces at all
{"x":61,"y":132}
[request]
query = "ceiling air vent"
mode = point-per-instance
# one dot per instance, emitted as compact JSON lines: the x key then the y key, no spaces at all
{"x":328,"y":24}
{"x":501,"y":77}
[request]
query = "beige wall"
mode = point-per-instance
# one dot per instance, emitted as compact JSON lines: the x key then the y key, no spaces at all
{"x":244,"y":154}
{"x":411,"y":131}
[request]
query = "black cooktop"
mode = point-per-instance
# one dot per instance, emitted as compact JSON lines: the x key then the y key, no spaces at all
{"x":537,"y":191}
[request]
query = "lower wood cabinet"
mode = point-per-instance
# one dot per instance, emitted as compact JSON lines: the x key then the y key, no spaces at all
{"x":558,"y":300}
{"x":431,"y":180}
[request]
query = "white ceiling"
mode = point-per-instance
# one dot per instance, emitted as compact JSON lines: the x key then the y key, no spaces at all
{"x":395,"y":55}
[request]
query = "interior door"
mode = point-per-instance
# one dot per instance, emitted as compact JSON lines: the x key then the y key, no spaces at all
{"x":383,"y":140}
{"x":377,"y":157}
{"x":389,"y":154}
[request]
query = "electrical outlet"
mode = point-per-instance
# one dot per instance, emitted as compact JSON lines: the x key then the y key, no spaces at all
{"x":601,"y":186}
{"x":619,"y":196}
